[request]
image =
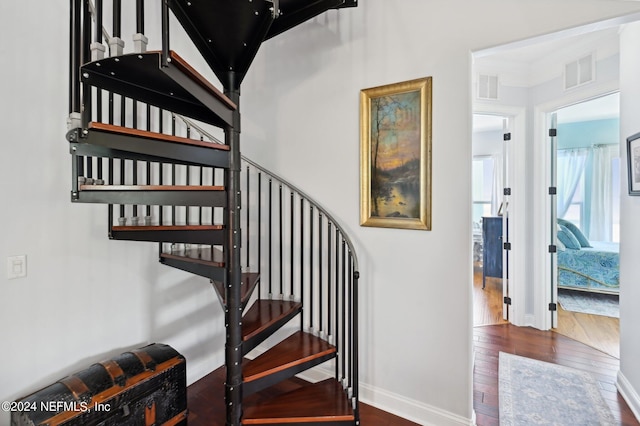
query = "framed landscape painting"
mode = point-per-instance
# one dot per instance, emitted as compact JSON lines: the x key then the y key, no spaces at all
{"x":395,"y":155}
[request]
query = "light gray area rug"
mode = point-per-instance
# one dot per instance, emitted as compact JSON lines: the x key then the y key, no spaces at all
{"x":533,"y":392}
{"x":589,"y":303}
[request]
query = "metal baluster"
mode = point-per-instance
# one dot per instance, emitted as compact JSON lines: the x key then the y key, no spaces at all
{"x":260,"y":232}
{"x":291,"y":238}
{"x":344,"y":312}
{"x":161,"y":166}
{"x":86,"y":90}
{"x":337,"y":310}
{"x":201,"y":180}
{"x":320,"y":275}
{"x":140,"y":16}
{"x":329,"y":242}
{"x":270,"y":231}
{"x":134,"y":124}
{"x":350,"y":319}
{"x":311,"y":267}
{"x":148,"y":208}
{"x":122,"y":162}
{"x":117,"y":18}
{"x":355,"y":348}
{"x":302,"y":262}
{"x":247,"y":237}
{"x":188,"y":180}
{"x":98,"y":112}
{"x":111,"y":120}
{"x":173,"y":169}
{"x":165,"y":33}
{"x":281,"y":241}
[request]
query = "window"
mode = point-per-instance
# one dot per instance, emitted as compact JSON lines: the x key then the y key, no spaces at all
{"x":615,"y":198}
{"x":575,"y":212}
{"x":482,"y":184}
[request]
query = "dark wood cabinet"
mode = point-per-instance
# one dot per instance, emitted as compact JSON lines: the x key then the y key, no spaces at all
{"x":492,"y":248}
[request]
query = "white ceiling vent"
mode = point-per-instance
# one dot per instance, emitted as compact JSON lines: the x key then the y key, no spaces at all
{"x":579,"y":72}
{"x":487,"y":86}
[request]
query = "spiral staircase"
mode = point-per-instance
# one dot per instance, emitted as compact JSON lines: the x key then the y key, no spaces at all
{"x":160,"y":145}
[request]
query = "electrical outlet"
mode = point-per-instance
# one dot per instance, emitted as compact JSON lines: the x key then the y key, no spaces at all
{"x":16,"y":267}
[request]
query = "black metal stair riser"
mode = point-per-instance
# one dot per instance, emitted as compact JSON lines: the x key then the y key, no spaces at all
{"x":153,"y":197}
{"x":99,"y":144}
{"x":250,"y":344}
{"x":215,"y":273}
{"x":272,"y":379}
{"x":215,"y":237}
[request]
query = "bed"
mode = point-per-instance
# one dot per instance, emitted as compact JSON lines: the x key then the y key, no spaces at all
{"x":591,"y":266}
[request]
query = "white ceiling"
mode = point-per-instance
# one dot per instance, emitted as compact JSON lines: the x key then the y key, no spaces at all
{"x":529,"y":64}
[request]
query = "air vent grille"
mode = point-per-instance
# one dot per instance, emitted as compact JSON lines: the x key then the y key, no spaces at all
{"x":579,"y":72}
{"x":487,"y":86}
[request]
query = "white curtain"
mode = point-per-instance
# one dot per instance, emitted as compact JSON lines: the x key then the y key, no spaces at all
{"x":497,"y":185}
{"x":571,"y":164}
{"x":601,"y":222}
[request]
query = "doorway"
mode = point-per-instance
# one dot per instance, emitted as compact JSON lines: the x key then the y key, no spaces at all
{"x":584,"y":166}
{"x":488,"y":180}
{"x":530,"y":76}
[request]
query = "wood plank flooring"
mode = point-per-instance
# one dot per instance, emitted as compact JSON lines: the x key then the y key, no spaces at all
{"x":492,"y":334}
{"x":588,"y":342}
{"x":545,"y":346}
{"x":205,"y":399}
{"x":597,"y":331}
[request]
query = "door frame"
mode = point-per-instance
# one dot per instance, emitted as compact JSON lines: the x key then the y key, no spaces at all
{"x":541,"y":220}
{"x":515,"y":159}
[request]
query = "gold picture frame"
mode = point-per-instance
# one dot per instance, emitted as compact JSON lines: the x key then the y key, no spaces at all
{"x":395,"y":155}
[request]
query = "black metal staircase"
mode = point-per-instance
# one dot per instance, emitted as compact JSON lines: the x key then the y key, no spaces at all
{"x":168,"y":180}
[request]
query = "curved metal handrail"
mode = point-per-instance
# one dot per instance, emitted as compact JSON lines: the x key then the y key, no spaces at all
{"x":304,"y":195}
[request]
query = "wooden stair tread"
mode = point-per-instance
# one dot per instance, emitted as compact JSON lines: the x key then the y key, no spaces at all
{"x":296,"y":349}
{"x":110,"y":128}
{"x":248,"y":283}
{"x":152,"y":228}
{"x":263,"y":313}
{"x":204,"y":256}
{"x":175,"y":86}
{"x":325,"y":401}
{"x":150,"y":188}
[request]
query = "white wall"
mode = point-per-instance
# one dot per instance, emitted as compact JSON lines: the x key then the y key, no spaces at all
{"x":629,"y":377}
{"x":300,"y":108}
{"x":86,"y":298}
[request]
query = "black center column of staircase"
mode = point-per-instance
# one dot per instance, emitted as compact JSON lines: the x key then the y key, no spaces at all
{"x":233,"y":314}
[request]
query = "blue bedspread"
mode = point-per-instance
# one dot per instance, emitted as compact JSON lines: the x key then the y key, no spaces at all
{"x":600,"y":263}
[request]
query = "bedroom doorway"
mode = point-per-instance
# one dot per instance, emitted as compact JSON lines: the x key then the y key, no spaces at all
{"x":489,"y":216}
{"x":584,"y":169}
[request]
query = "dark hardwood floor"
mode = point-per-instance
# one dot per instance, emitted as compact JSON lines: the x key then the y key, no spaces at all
{"x":545,"y":346}
{"x":205,"y":399}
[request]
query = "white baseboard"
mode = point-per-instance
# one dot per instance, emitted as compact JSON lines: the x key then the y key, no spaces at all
{"x":629,"y":394}
{"x":530,"y":321}
{"x":410,"y":409}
